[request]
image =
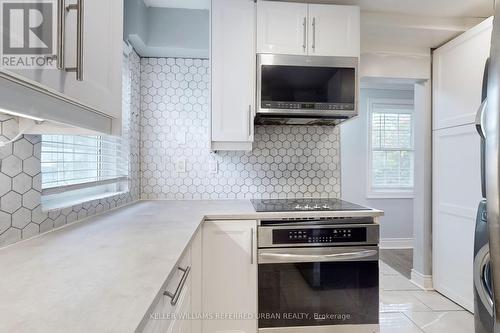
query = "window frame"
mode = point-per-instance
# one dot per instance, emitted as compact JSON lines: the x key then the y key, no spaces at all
{"x":388,"y":193}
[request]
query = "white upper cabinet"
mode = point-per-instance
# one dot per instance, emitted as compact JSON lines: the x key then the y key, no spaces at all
{"x":101,"y":87}
{"x":233,"y":74}
{"x":308,"y":29}
{"x":458,"y":68}
{"x":334,"y":30}
{"x":92,"y":99}
{"x":281,"y":27}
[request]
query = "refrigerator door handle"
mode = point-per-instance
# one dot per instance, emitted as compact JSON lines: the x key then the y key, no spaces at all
{"x":492,"y":152}
{"x":480,"y":118}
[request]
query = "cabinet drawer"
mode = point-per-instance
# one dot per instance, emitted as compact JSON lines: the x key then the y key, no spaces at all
{"x":174,"y":304}
{"x":180,"y":323}
{"x":156,"y":322}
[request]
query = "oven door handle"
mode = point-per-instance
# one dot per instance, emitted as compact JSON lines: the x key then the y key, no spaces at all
{"x":343,"y":256}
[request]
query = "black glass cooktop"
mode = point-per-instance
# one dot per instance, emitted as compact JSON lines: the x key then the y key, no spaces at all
{"x":294,"y":205}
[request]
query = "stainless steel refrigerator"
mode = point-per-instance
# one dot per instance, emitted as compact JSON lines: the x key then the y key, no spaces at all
{"x":483,"y":293}
{"x":490,"y":124}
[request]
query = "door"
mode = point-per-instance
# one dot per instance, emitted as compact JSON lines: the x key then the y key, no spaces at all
{"x":456,"y":194}
{"x":101,"y":85}
{"x":334,"y":30}
{"x":322,"y":86}
{"x":331,"y":286}
{"x":230,"y":275}
{"x":281,"y":27}
{"x":233,"y":71}
{"x":458,"y":68}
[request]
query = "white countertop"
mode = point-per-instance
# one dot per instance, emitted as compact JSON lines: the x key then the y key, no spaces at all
{"x":102,"y":274}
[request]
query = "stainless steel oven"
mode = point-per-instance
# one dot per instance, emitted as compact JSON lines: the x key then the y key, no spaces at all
{"x":306,"y":89}
{"x":318,"y":278}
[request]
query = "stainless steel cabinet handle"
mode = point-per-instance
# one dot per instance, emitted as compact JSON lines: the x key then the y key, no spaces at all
{"x":325,"y":257}
{"x":79,"y":39}
{"x":304,"y":37}
{"x":251,"y":247}
{"x":314,"y":34}
{"x":61,"y":29}
{"x":174,"y":298}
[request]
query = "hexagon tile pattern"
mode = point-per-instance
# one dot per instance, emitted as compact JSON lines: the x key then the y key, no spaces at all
{"x":21,"y":214}
{"x":286,"y":162}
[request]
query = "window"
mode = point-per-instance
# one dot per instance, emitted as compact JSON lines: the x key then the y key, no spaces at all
{"x":82,"y":168}
{"x":391,"y":165}
{"x":79,"y":168}
{"x":72,"y":160}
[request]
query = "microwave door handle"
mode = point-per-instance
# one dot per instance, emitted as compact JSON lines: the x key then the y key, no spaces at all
{"x":289,"y":257}
{"x":304,"y":36}
{"x":314,"y":35}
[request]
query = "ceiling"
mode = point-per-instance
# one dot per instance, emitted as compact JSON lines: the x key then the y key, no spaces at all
{"x":187,"y":4}
{"x":440,"y":8}
{"x":401,"y":26}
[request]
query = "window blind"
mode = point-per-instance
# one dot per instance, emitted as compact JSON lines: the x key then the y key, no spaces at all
{"x":71,"y":160}
{"x":392,"y":151}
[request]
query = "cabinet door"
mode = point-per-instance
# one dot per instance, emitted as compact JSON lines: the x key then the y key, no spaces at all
{"x":101,"y":88}
{"x":458,"y":69}
{"x":456,"y":195}
{"x":233,"y":71}
{"x":334,"y":30}
{"x":196,"y":281}
{"x":182,"y":323}
{"x":281,"y":27}
{"x":229,"y":274}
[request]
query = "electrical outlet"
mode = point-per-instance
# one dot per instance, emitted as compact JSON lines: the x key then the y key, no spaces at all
{"x":180,"y":166}
{"x":214,"y":166}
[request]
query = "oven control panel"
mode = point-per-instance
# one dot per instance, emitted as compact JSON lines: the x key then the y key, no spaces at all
{"x":319,"y":235}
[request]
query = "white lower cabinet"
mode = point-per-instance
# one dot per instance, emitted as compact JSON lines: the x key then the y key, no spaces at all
{"x":171,"y":312}
{"x":213,"y":283}
{"x":196,"y":282}
{"x":229,"y":276}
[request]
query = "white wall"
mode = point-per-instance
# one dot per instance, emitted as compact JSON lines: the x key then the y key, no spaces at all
{"x":396,"y":66}
{"x":166,"y":32}
{"x":397,"y":224}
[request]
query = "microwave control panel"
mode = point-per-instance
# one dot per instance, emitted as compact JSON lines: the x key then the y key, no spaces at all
{"x":307,"y":106}
{"x":319,"y":235}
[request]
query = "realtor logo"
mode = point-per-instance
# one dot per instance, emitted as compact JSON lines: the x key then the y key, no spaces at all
{"x":28,"y":31}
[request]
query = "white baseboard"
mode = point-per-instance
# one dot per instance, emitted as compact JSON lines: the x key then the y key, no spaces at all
{"x":396,"y":243}
{"x":422,"y":281}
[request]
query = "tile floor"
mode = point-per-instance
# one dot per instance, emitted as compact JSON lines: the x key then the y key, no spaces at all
{"x":404,"y":308}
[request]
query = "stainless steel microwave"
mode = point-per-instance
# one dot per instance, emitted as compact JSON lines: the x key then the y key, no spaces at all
{"x":309,"y":90}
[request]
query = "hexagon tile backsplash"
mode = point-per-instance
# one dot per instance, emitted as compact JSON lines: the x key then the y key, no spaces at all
{"x":21,"y":214}
{"x":286,"y":162}
{"x":170,"y":157}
